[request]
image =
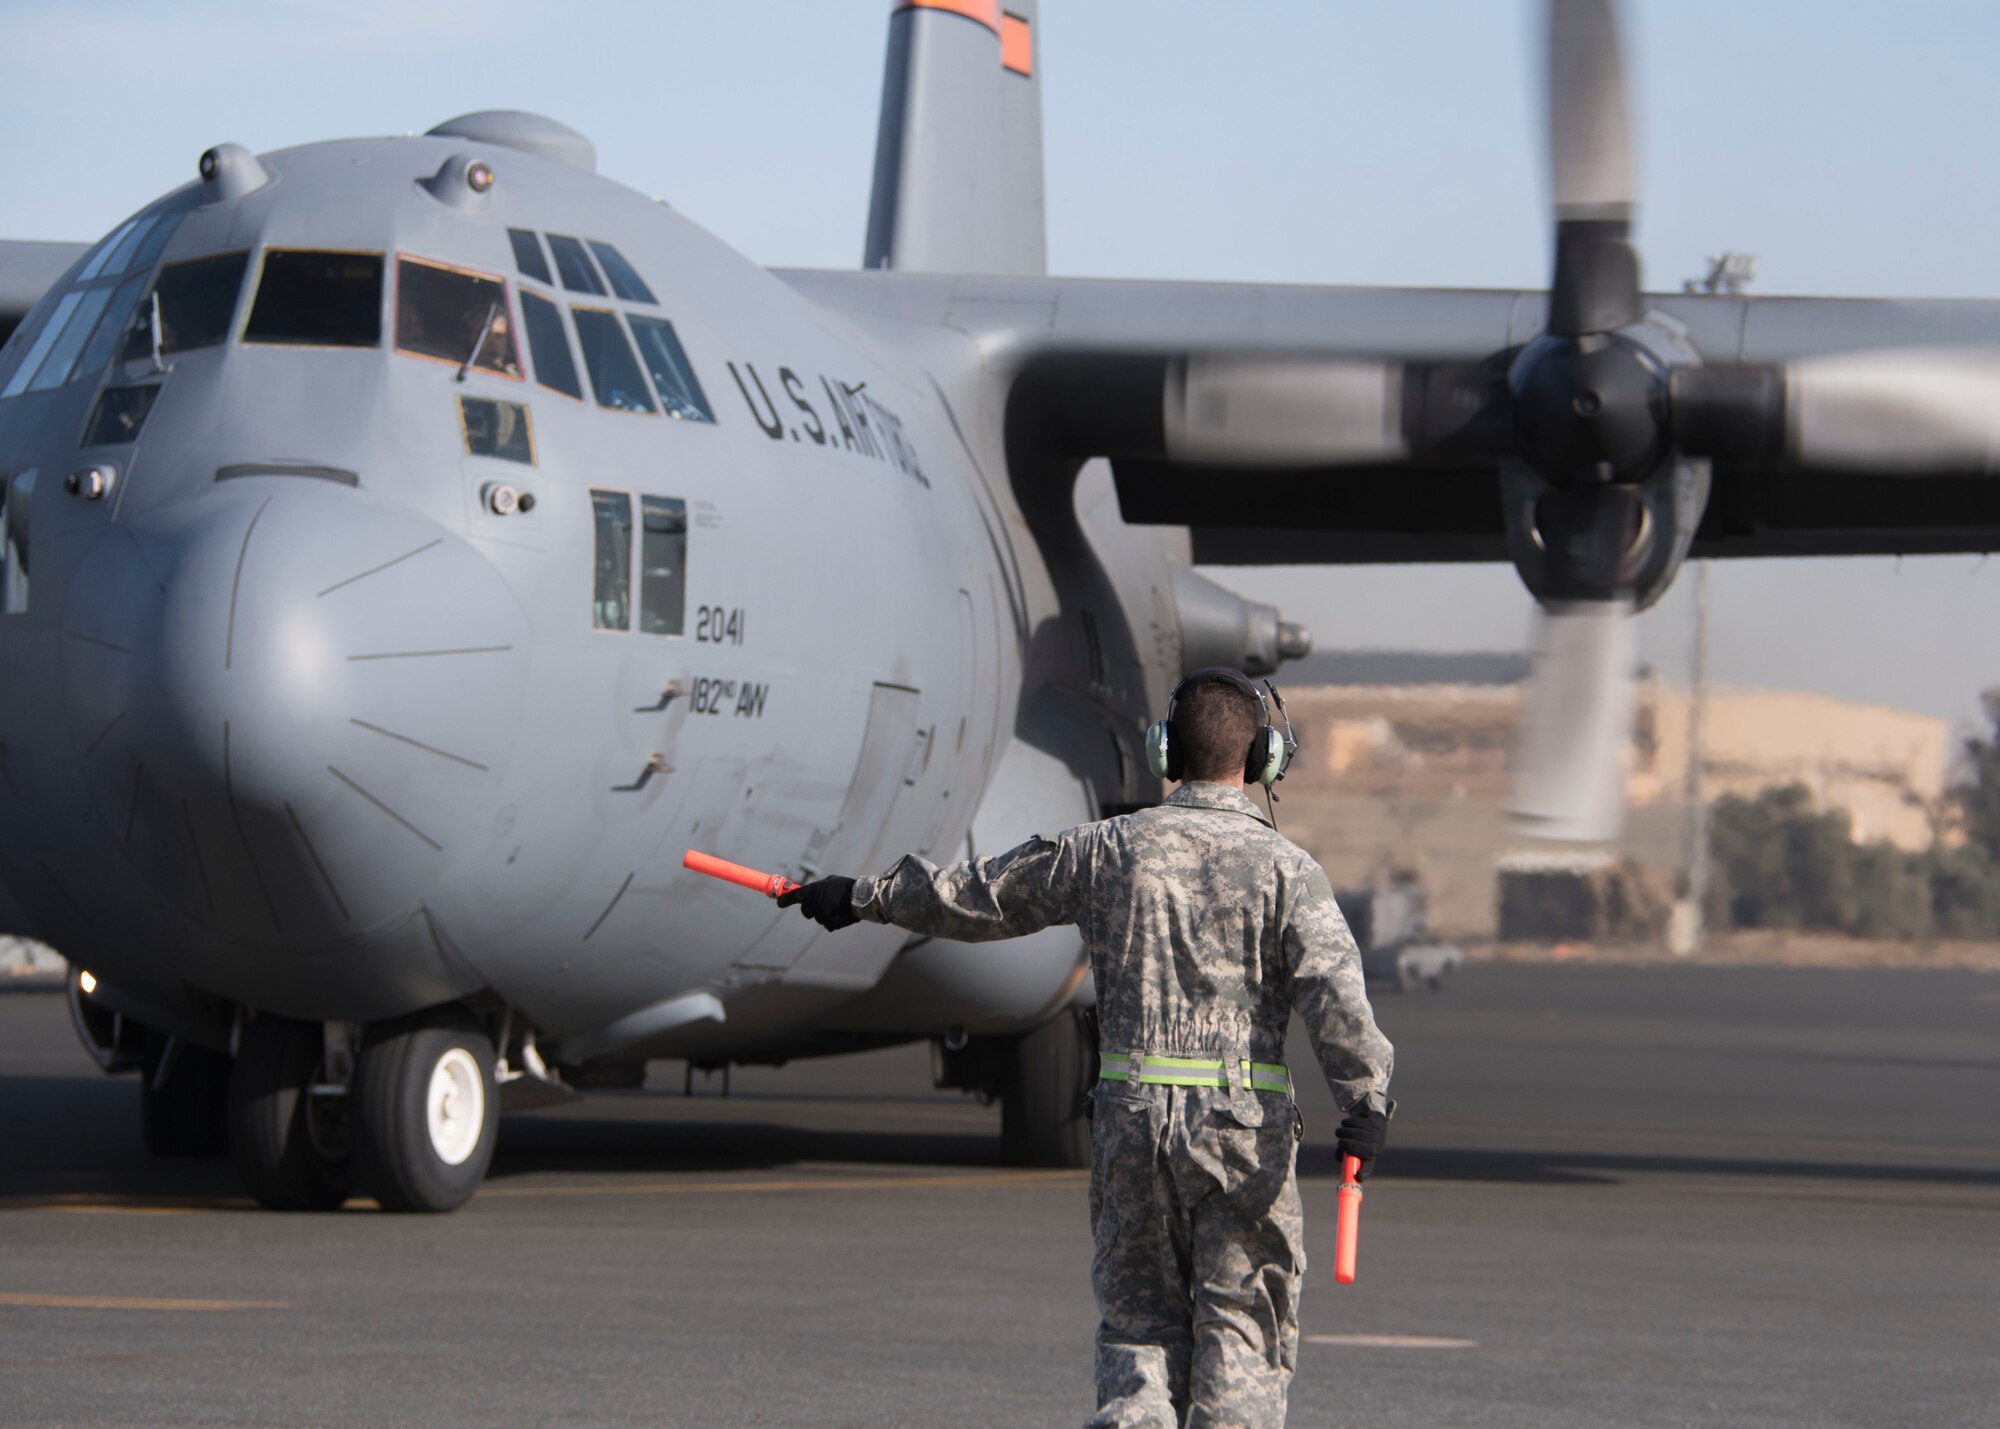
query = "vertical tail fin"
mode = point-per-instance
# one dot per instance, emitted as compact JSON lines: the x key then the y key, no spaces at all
{"x":958,"y":160}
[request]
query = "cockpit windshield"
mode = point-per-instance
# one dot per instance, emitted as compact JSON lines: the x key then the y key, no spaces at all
{"x":454,"y":315}
{"x":574,"y":264}
{"x":680,"y":392}
{"x":196,"y":303}
{"x":625,"y":279}
{"x":318,"y":299}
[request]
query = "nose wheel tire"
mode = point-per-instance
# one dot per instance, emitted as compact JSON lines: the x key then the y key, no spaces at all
{"x":426,"y":1112}
{"x":290,"y":1147}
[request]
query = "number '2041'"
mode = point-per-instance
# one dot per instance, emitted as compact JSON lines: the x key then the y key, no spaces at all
{"x":718,"y":625}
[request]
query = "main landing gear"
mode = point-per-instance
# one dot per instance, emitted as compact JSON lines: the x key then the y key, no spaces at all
{"x":1043,"y":1086}
{"x":412,"y":1124}
{"x":1042,"y":1080}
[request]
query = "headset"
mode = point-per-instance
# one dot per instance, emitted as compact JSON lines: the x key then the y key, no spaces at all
{"x":1269,"y":752}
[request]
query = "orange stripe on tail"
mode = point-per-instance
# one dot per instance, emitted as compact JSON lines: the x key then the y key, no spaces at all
{"x":984,"y":12}
{"x":1017,"y":44}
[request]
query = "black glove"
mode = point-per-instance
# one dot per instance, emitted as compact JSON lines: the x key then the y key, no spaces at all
{"x":1362,"y":1134}
{"x":829,"y":902}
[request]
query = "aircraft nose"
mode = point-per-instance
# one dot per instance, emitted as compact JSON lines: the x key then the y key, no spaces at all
{"x":293,"y":703}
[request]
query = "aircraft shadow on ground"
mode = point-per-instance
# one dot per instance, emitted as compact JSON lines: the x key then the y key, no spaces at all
{"x":579,"y":1145}
{"x":69,"y":1136}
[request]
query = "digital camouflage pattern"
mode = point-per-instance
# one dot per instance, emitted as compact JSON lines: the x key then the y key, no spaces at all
{"x":1198,"y":1253}
{"x":1206,"y":930}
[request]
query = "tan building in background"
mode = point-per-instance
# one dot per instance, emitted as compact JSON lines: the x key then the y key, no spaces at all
{"x":1403,"y":765}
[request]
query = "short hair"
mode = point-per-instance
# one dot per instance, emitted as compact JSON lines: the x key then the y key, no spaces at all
{"x":1214,"y":723}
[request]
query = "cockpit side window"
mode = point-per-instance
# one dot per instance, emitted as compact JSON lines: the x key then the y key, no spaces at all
{"x":625,"y":279}
{"x":76,"y":338}
{"x":662,"y":565}
{"x":611,"y":581}
{"x":118,"y":415}
{"x":89,"y":307}
{"x":681,"y":396}
{"x":196,"y":303}
{"x":94,"y":267}
{"x":39,"y":368}
{"x":497,"y":429}
{"x":111,"y":326}
{"x":574,"y":264}
{"x":455,"y":316}
{"x":614,"y":375}
{"x":555,"y":368}
{"x":528,"y":255}
{"x":318,"y":299}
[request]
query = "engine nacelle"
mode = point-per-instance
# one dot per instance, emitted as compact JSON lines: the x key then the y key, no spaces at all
{"x":1220,"y":627}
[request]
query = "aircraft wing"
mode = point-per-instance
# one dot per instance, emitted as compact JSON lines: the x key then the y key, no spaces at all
{"x":28,"y":270}
{"x":1089,"y":368}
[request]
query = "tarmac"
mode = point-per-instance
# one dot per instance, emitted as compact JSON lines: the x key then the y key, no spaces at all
{"x":1657,"y":1196}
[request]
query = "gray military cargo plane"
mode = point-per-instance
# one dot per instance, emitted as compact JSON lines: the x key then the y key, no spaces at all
{"x":411,"y":546}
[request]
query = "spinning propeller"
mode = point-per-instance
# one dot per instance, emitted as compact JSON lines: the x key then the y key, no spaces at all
{"x":1602,"y":428}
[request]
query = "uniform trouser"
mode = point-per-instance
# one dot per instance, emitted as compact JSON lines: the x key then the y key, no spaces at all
{"x":1199,"y":1254}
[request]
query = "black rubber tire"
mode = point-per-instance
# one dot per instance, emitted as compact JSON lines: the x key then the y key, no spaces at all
{"x":395,"y":1159}
{"x":1042,"y":1120}
{"x":270,"y":1119}
{"x":187,"y":1113}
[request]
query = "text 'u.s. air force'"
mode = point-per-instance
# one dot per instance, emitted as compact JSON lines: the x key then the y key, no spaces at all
{"x":859,"y":423}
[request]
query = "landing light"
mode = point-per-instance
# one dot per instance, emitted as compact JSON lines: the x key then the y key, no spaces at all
{"x":85,"y":981}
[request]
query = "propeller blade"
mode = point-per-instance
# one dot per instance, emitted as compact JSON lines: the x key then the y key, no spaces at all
{"x":1590,"y":142}
{"x":1899,"y":411}
{"x":1284,"y":411}
{"x":1569,"y":766}
{"x":1596,"y":285}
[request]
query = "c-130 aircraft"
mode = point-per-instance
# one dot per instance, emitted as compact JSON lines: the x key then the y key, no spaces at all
{"x":411,"y":547}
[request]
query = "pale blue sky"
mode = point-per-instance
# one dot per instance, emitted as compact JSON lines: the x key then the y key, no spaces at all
{"x":1848,"y":145}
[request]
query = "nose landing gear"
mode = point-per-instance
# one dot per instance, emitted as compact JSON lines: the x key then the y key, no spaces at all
{"x":426,"y":1112}
{"x":414,"y":1129}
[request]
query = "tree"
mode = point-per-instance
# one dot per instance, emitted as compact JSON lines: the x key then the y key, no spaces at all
{"x":1779,"y":864}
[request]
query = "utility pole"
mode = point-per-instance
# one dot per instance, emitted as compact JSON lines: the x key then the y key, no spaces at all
{"x":1684,"y":927}
{"x":1727,"y":276}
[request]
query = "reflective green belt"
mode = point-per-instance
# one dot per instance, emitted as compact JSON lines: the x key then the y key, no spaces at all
{"x":1191,"y":1072}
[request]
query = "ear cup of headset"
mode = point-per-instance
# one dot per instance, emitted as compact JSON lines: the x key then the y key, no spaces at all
{"x":1162,"y":754}
{"x":1267,"y":757}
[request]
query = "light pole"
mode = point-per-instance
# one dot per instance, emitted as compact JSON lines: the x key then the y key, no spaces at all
{"x":1728,"y":274}
{"x":1684,"y":927}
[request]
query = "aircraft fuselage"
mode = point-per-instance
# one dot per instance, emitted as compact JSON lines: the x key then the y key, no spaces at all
{"x":354,"y":676}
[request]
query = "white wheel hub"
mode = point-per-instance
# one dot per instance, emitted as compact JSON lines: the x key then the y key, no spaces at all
{"x":455,"y":1106}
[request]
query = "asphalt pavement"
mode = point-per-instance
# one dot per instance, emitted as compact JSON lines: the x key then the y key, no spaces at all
{"x":1614,"y":1196}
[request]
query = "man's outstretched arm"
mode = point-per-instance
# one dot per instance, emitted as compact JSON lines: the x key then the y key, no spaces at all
{"x":1020,"y":891}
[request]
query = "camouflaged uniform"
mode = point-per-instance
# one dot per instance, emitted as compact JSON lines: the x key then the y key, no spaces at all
{"x":1207,"y":930}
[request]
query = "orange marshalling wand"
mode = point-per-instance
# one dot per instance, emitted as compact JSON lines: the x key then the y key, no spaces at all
{"x":1348,"y":1232}
{"x":771,"y":885}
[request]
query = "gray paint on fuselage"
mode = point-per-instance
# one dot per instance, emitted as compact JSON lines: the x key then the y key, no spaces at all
{"x":385,"y":833}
